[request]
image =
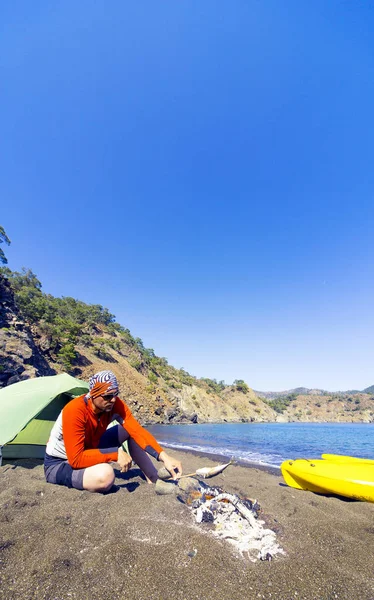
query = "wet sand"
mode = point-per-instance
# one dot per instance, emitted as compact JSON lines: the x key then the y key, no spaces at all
{"x":63,"y":544}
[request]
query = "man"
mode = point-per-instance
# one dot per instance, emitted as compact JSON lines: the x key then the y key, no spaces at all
{"x":81,"y":446}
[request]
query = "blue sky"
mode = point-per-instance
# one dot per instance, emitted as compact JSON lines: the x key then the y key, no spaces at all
{"x":205,"y":171}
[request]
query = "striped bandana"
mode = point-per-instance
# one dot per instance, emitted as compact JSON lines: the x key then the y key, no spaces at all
{"x":104,"y":382}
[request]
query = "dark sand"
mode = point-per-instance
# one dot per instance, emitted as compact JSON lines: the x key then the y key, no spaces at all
{"x":61,"y":544}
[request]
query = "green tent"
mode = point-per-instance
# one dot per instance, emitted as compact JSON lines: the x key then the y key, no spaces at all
{"x":28,"y":410}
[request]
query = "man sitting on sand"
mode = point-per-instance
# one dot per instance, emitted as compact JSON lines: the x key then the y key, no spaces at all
{"x":80,"y":445}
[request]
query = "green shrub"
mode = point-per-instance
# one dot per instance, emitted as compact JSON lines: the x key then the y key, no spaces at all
{"x":101,"y":351}
{"x":281,"y":403}
{"x":66,"y":356}
{"x":135,"y":363}
{"x":176,"y":385}
{"x":114,"y":344}
{"x":241,"y":386}
{"x":213,"y":385}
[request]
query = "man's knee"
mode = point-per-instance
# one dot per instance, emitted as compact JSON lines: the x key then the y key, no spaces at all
{"x":99,"y":478}
{"x":106,"y":477}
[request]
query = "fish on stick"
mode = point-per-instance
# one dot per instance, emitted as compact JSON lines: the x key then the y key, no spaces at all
{"x":204,"y":472}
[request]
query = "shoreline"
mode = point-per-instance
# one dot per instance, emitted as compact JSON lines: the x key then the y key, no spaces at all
{"x":223,"y":458}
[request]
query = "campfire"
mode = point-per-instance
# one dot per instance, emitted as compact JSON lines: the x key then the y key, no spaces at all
{"x":231,"y":518}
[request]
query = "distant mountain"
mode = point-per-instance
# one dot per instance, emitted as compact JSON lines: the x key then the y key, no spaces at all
{"x":299,"y":391}
{"x":369,"y":390}
{"x":303,"y":391}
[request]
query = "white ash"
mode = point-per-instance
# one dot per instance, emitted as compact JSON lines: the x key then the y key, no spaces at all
{"x":235,"y":521}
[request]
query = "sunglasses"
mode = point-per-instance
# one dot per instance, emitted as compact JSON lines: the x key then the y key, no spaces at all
{"x":109,"y":397}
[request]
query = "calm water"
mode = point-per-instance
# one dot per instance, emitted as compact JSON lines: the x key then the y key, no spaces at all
{"x":270,"y":443}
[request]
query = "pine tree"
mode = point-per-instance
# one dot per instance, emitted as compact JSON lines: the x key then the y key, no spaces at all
{"x":3,"y":239}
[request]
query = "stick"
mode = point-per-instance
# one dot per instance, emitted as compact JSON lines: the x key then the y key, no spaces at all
{"x":181,"y":477}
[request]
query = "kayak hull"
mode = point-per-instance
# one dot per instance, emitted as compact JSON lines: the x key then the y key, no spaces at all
{"x":353,"y":480}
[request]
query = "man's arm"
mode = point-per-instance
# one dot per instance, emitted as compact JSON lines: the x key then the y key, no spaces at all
{"x":73,"y":431}
{"x":146,"y":440}
{"x":141,"y":436}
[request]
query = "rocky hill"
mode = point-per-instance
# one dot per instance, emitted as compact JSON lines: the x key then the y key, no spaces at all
{"x":42,"y":335}
{"x":336,"y":407}
{"x":303,"y":391}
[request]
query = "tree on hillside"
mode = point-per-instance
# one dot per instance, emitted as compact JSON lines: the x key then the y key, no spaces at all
{"x":24,"y":279}
{"x":241,"y":386}
{"x":3,"y":239}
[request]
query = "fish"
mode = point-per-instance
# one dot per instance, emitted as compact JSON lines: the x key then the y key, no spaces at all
{"x":206,"y":472}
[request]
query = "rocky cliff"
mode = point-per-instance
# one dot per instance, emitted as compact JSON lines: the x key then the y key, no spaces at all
{"x":20,"y":356}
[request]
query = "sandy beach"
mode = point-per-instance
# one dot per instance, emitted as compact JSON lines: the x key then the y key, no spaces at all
{"x":63,"y":544}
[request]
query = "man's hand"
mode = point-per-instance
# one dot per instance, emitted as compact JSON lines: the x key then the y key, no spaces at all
{"x":173,"y":465}
{"x":124,"y":460}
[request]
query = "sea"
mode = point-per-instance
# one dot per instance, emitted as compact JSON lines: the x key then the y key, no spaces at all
{"x":269,"y":444}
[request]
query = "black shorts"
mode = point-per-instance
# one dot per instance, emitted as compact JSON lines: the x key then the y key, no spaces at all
{"x":59,"y":471}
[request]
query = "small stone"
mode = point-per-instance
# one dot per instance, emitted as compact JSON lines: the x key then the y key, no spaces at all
{"x":188,"y":483}
{"x":164,"y":488}
{"x":163,"y":473}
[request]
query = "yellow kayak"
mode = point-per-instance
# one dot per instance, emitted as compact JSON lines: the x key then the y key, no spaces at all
{"x":354,"y":480}
{"x":346,"y":459}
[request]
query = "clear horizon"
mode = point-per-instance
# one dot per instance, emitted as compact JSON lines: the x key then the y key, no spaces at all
{"x":204,"y":173}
